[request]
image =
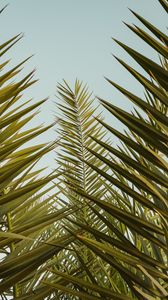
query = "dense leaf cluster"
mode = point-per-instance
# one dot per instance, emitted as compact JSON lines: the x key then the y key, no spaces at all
{"x":96,"y":227}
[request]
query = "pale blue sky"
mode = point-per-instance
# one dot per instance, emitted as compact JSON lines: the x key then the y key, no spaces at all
{"x":72,"y":38}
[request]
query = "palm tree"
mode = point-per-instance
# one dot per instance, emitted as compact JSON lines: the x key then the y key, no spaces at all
{"x":125,"y":228}
{"x":101,"y":232}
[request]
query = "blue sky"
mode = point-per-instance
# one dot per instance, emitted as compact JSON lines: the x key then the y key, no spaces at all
{"x":72,"y":38}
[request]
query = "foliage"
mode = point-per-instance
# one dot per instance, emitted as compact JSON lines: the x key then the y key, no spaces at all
{"x":26,"y":214}
{"x":101,"y":230}
{"x":127,"y":231}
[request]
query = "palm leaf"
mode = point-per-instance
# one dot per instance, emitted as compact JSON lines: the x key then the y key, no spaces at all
{"x":26,"y":220}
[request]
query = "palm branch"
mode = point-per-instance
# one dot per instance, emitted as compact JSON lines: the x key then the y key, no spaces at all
{"x":26,"y":243}
{"x":76,"y":123}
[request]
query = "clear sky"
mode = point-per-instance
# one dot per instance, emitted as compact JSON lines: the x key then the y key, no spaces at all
{"x":72,"y":38}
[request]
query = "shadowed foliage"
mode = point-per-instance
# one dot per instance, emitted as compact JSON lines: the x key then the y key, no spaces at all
{"x":26,"y":211}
